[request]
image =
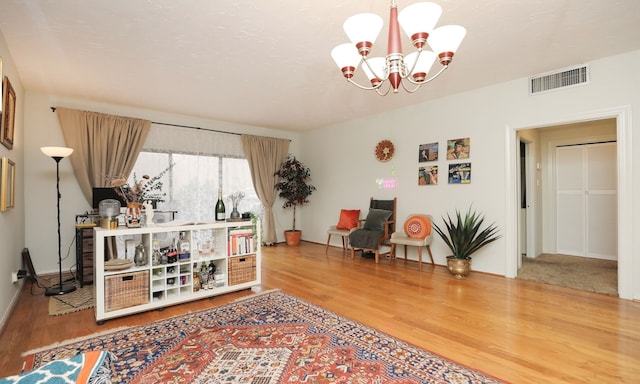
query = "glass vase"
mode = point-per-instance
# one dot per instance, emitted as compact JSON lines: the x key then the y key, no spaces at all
{"x":235,"y":214}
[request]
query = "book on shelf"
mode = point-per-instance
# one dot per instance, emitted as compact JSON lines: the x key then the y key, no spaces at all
{"x":240,"y":243}
{"x":240,"y":231}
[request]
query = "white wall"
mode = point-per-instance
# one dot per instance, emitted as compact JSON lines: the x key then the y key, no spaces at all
{"x":12,"y":223}
{"x":43,"y":129}
{"x":344,"y":168}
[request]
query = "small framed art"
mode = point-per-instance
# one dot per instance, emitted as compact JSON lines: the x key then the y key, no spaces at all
{"x":7,"y":184}
{"x":428,"y":175}
{"x":460,"y":173}
{"x":8,"y":113}
{"x":427,"y":152}
{"x":458,"y":148}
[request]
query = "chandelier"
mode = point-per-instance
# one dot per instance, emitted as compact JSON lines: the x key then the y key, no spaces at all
{"x":411,"y":71}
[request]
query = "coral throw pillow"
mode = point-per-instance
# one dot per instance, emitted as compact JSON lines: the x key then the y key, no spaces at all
{"x":348,"y":218}
{"x":417,"y":227}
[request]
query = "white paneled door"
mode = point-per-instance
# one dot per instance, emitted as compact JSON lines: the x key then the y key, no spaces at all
{"x":586,"y":183}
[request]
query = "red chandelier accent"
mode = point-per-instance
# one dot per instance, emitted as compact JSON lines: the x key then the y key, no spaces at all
{"x":418,"y":21}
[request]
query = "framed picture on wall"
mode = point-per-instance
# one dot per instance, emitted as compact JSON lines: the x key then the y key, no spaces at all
{"x":427,"y":152}
{"x":458,"y":148}
{"x":428,"y":175}
{"x":8,"y":113}
{"x":7,"y":184}
{"x":460,"y":173}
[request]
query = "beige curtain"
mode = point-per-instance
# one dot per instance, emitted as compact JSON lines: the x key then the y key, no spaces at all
{"x":265,"y":154}
{"x":104,"y":145}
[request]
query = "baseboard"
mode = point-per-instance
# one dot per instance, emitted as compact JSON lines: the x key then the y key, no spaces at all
{"x":12,"y":305}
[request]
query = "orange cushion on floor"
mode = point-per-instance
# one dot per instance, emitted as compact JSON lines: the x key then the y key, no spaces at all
{"x":348,"y":218}
{"x":417,"y":227}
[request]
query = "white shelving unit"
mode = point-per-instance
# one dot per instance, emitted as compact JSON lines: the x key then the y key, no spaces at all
{"x":232,"y":248}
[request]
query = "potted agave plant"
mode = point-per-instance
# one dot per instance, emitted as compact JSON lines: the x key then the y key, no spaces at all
{"x":293,"y":186}
{"x":464,"y":237}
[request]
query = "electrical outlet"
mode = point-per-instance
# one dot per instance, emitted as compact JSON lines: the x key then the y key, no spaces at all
{"x":15,"y":276}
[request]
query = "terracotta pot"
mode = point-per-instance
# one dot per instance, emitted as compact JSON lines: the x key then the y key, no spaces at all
{"x":293,"y":237}
{"x":459,"y":268}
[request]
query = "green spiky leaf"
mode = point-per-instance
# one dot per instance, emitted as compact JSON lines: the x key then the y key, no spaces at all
{"x":463,"y":234}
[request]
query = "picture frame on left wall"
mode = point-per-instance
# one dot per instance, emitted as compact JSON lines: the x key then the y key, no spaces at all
{"x":8,"y":113}
{"x":7,"y":184}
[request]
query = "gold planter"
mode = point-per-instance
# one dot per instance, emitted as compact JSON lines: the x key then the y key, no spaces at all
{"x":459,"y":268}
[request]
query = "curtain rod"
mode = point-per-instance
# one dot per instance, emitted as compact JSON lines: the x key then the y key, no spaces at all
{"x":53,"y":109}
{"x":200,"y":128}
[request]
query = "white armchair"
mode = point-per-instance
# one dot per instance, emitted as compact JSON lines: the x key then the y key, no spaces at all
{"x":415,"y":232}
{"x":349,"y":219}
{"x":344,"y":233}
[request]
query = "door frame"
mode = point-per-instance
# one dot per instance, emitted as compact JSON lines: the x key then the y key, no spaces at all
{"x":622,"y":114}
{"x":531,"y":228}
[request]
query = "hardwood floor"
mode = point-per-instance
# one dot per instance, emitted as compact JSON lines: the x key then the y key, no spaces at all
{"x":517,"y":330}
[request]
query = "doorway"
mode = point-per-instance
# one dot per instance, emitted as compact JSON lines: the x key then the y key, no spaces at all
{"x":538,"y":236}
{"x":584,"y":255}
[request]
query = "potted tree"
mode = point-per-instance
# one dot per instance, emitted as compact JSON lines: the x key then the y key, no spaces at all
{"x":464,"y":237}
{"x":293,"y":186}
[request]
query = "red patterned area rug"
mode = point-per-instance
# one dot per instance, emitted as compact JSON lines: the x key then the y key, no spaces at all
{"x":263,"y":339}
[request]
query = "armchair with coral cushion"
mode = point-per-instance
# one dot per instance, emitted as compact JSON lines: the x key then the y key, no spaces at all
{"x":376,"y":230}
{"x":417,"y":233}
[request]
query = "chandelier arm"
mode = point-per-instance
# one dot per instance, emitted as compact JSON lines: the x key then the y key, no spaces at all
{"x":364,"y":87}
{"x":404,"y":86}
{"x":408,"y":78}
{"x":385,"y":92}
{"x":415,"y":63}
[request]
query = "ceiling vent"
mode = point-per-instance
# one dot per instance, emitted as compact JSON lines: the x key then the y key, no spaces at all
{"x":567,"y":77}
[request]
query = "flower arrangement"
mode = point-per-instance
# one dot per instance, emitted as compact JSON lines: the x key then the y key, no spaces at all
{"x":147,"y":188}
{"x":236,"y":197}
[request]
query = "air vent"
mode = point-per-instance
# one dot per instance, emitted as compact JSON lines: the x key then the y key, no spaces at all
{"x":568,"y":77}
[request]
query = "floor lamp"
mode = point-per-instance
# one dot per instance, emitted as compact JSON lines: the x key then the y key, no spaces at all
{"x":57,"y":154}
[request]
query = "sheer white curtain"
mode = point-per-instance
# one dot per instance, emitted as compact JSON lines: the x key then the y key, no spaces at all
{"x":195,"y":141}
{"x":203,"y":161}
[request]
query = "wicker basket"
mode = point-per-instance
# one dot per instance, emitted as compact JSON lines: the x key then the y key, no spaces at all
{"x":242,"y":269}
{"x":126,"y":290}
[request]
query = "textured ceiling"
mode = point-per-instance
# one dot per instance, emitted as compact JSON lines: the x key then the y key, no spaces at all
{"x":267,"y":63}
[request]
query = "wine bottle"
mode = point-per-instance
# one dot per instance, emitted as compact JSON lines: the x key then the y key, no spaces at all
{"x":184,"y":249}
{"x":220,"y":211}
{"x":156,"y":256}
{"x":172,"y":254}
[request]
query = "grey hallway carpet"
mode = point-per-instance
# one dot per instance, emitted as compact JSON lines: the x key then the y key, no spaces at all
{"x":587,"y":274}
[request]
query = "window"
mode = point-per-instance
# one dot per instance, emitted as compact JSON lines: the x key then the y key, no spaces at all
{"x":191,"y":185}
